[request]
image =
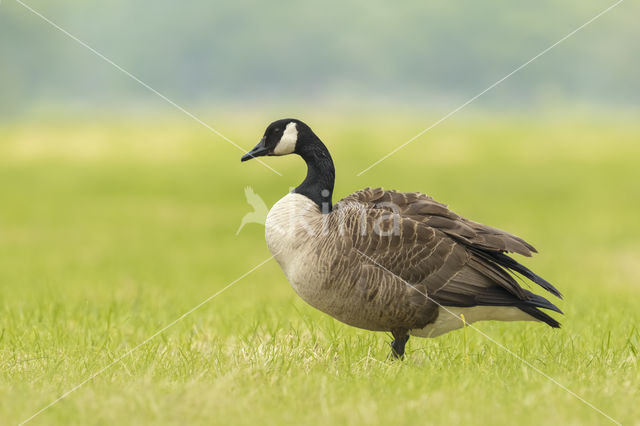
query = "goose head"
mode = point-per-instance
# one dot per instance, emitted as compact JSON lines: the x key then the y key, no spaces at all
{"x":292,"y":136}
{"x":282,"y":137}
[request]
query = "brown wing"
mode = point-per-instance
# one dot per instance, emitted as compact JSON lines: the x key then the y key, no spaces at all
{"x":424,"y":209}
{"x":426,"y":246}
{"x":488,"y":242}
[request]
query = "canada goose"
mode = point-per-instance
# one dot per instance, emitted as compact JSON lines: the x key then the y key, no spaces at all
{"x":391,"y":261}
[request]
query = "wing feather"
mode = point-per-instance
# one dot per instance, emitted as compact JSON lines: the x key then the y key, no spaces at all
{"x":457,"y":262}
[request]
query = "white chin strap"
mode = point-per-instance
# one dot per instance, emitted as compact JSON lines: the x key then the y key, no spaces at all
{"x":287,"y":144}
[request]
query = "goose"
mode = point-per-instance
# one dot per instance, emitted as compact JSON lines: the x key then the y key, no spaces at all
{"x":389,"y":261}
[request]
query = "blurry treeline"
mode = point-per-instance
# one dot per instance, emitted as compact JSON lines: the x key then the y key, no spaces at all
{"x":200,"y":52}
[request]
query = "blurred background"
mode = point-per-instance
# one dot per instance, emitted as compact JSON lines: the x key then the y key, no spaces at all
{"x":358,"y":54}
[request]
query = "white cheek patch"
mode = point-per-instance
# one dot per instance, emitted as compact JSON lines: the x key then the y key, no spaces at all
{"x":288,"y":140}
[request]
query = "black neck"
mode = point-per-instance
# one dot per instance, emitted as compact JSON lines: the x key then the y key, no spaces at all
{"x":318,"y":185}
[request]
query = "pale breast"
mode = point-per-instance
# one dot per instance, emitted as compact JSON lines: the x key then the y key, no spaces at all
{"x":292,"y":229}
{"x":317,"y":260}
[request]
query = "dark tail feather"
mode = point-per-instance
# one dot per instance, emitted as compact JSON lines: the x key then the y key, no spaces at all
{"x":536,"y":301}
{"x":497,"y":296}
{"x":507,"y":262}
{"x":538,"y":314}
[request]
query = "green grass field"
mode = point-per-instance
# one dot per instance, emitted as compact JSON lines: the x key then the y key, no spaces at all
{"x":111,"y":230}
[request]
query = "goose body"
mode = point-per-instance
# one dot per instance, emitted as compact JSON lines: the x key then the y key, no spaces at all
{"x":383,"y":260}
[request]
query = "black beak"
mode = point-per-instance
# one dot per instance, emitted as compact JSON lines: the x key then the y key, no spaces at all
{"x":257,"y":151}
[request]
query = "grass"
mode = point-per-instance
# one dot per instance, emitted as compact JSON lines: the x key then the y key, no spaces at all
{"x":108,"y":232}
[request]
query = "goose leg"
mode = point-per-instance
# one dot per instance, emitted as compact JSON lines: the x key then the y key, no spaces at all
{"x":400,"y":338}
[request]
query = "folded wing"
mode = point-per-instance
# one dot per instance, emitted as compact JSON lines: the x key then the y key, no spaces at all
{"x":452,"y":260}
